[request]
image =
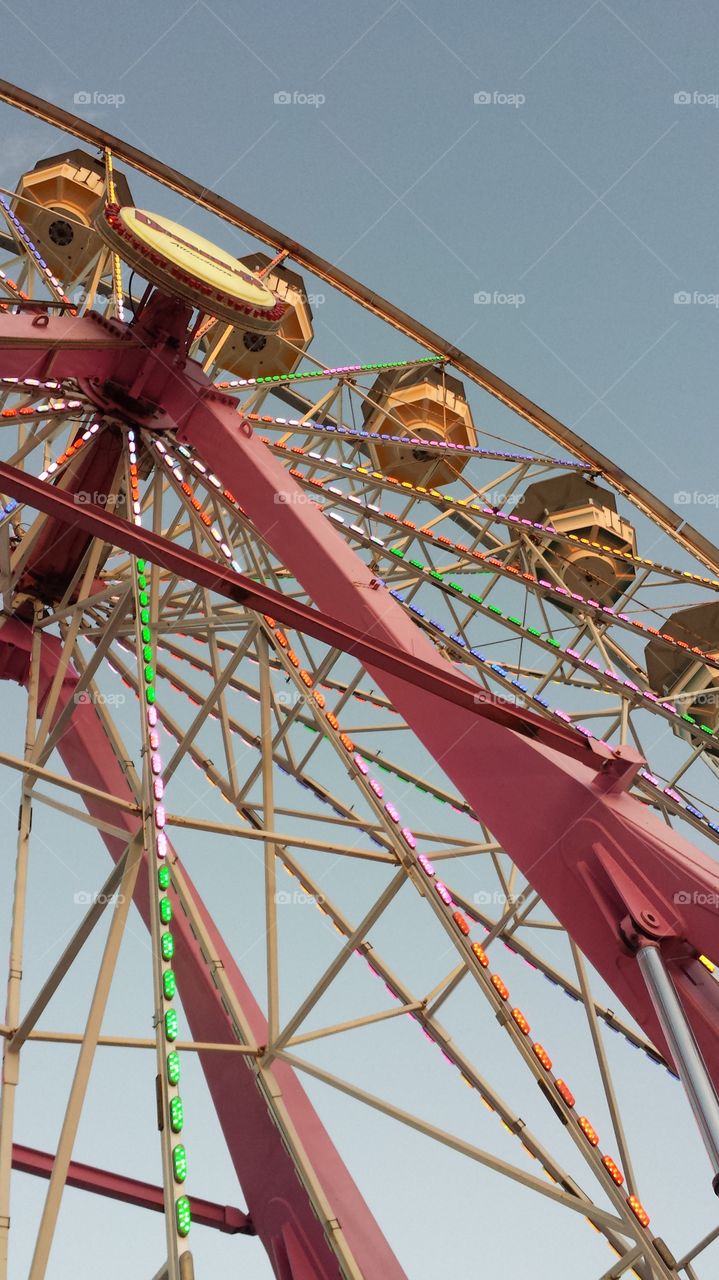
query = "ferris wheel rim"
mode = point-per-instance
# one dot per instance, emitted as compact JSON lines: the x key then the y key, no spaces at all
{"x":672,"y":523}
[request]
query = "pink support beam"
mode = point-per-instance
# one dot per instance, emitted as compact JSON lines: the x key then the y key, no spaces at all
{"x":279,"y":1206}
{"x":216,"y":576}
{"x":116,"y":1186}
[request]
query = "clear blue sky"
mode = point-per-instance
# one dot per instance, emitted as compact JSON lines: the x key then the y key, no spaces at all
{"x":592,"y":194}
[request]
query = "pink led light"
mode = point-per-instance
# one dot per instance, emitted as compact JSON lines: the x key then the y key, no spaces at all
{"x":160,"y":816}
{"x":154,"y":739}
{"x":152,"y":716}
{"x":392,"y":811}
{"x":155,"y":762}
{"x":425,"y":864}
{"x":409,"y":838}
{"x":444,"y":894}
{"x":376,"y":787}
{"x":159,"y":788}
{"x":161,"y":844}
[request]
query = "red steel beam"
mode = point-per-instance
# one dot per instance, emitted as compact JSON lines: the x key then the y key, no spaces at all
{"x":86,"y":1177}
{"x":367,"y":648}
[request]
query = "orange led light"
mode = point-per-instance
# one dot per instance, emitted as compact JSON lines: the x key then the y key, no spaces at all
{"x":638,"y":1210}
{"x":480,"y":954}
{"x":613,"y":1170}
{"x":543,"y":1056}
{"x":565,"y":1092}
{"x":499,"y":986}
{"x":588,"y":1131}
{"x":521,"y":1021}
{"x":460,"y":922}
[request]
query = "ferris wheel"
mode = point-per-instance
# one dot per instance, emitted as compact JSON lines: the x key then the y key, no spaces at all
{"x":395,"y":705}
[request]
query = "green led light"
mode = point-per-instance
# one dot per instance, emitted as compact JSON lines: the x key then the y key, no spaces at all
{"x":516,"y":621}
{"x":493,"y":609}
{"x":171,"y":1027}
{"x":477,"y":599}
{"x":150,"y":695}
{"x":533,"y":631}
{"x":556,"y":643}
{"x":165,"y":910}
{"x":169,"y":986}
{"x":146,"y":634}
{"x":417,"y":564}
{"x":396,"y":552}
{"x":149,"y":675}
{"x":177,"y":1115}
{"x":456,"y":587}
{"x":173,"y":1067}
{"x":183,"y":1216}
{"x":141,"y":581}
{"x":179,"y":1163}
{"x":147,"y":657}
{"x":140,"y":564}
{"x":144,"y":615}
{"x":167,"y":943}
{"x":163,"y":877}
{"x":144,"y":598}
{"x":433,"y":574}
